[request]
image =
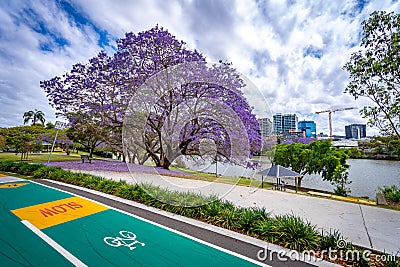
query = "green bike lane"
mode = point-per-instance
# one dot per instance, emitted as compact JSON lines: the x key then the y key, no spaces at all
{"x":44,"y":226}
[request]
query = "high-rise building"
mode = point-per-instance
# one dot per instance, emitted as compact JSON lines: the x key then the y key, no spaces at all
{"x":289,"y":123}
{"x":278,"y":123}
{"x":356,"y":131}
{"x":265,"y":127}
{"x":309,"y":127}
{"x":285,"y":123}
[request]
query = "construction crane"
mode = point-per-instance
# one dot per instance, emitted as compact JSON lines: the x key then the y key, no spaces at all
{"x":330,"y":117}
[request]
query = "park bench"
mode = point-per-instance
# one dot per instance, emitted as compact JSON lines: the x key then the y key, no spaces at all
{"x":86,"y":157}
{"x":380,"y":199}
{"x":280,"y":187}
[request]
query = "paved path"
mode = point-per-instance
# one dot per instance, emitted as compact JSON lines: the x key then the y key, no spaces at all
{"x":363,"y":225}
{"x":41,"y":226}
{"x":240,"y":244}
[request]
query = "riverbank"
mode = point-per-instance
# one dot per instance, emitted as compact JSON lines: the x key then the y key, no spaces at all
{"x":367,"y":176}
{"x":375,"y":156}
{"x":135,"y":173}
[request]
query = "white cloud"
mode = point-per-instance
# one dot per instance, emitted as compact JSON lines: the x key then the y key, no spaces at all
{"x":292,"y":50}
{"x":24,"y":29}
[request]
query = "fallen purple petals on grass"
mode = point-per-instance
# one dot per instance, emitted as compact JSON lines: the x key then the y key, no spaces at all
{"x":96,"y":165}
{"x":116,"y":166}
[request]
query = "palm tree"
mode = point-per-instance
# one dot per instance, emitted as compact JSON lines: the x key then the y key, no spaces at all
{"x":35,"y":116}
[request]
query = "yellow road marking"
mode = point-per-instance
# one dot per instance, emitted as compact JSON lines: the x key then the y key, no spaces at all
{"x":357,"y":200}
{"x":57,"y":212}
{"x":12,"y":185}
{"x":319,"y":194}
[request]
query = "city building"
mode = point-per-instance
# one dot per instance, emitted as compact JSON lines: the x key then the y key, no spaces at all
{"x":265,"y":127}
{"x":308,"y":127}
{"x":356,"y":131}
{"x":285,"y":123}
{"x":278,"y":123}
{"x":289,"y":123}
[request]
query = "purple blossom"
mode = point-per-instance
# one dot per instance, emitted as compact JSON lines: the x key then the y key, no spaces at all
{"x":117,"y":166}
{"x":103,"y":87}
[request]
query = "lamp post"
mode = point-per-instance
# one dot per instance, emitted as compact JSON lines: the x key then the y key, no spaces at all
{"x":58,"y":126}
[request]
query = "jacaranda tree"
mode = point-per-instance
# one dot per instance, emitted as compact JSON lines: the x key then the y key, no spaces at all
{"x":192,"y":109}
{"x":108,"y":87}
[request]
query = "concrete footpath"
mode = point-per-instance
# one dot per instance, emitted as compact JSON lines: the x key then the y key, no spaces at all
{"x":367,"y":226}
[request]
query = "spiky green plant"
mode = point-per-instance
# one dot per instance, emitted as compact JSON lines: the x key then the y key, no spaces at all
{"x":330,"y":240}
{"x":294,"y":233}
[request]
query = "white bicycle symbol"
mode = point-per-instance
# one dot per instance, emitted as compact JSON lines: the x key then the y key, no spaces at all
{"x":128,"y":239}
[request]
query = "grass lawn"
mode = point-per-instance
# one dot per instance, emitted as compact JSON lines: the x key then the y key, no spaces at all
{"x":225,"y":179}
{"x":42,"y":157}
{"x":61,"y":156}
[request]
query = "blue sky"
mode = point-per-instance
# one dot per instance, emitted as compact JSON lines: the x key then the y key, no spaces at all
{"x":293,"y":51}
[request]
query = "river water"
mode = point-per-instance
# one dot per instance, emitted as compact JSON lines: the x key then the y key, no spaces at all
{"x":366,"y":176}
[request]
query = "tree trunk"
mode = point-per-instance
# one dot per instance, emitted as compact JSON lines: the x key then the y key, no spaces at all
{"x":299,"y":181}
{"x":156,"y":159}
{"x":143,"y":159}
{"x":164,"y":162}
{"x":91,"y":149}
{"x":131,"y":159}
